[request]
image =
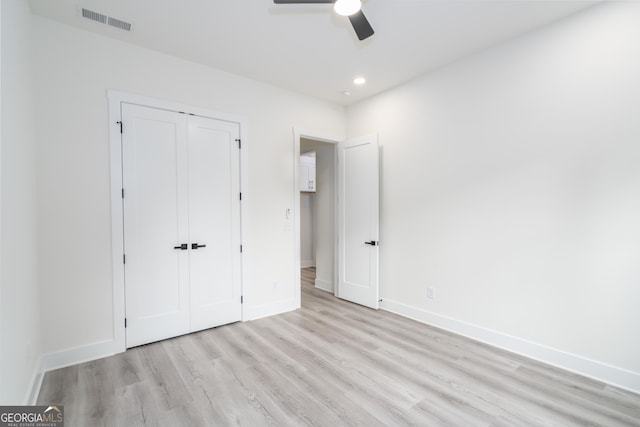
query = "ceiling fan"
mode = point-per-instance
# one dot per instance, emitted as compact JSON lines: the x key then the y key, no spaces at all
{"x":349,"y":8}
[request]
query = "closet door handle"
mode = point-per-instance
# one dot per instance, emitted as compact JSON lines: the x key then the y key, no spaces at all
{"x":372,"y":243}
{"x":182,"y":247}
{"x":196,"y":246}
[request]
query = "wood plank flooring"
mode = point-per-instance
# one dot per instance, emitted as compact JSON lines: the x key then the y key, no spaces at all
{"x":331,"y":363}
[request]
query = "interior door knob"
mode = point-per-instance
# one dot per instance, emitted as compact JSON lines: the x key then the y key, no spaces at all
{"x":182,"y":247}
{"x":372,"y":243}
{"x":196,"y":246}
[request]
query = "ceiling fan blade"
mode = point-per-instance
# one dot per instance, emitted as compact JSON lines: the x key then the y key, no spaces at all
{"x":302,"y":1}
{"x":361,"y":26}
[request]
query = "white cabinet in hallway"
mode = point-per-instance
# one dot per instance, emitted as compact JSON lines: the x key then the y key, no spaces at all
{"x":308,"y":173}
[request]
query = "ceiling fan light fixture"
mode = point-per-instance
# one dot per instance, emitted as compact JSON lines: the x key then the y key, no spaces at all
{"x":347,"y":7}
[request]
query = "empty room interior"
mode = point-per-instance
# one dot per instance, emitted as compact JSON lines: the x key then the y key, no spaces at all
{"x":293,"y":212}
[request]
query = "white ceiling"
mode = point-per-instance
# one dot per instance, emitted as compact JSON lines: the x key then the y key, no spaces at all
{"x":308,"y":48}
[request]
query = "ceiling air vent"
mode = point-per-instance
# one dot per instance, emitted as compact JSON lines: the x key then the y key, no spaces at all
{"x":119,"y":24}
{"x":104,"y":19}
{"x":94,"y":16}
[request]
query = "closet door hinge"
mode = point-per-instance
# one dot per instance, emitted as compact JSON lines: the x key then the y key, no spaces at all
{"x":240,"y":248}
{"x":240,"y":196}
{"x":124,"y":259}
{"x":123,"y":193}
{"x":120,"y":123}
{"x":241,"y":299}
{"x":125,"y":322}
{"x":239,"y":141}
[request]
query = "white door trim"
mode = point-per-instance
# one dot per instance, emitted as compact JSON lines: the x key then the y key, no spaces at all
{"x":297,"y":135}
{"x":116,"y":98}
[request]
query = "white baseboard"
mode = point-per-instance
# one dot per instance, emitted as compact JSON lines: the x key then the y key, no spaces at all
{"x":34,"y":385}
{"x":259,"y":311}
{"x":307,"y":263}
{"x":613,"y":375}
{"x":73,"y":356}
{"x":324,"y":285}
{"x":64,"y":358}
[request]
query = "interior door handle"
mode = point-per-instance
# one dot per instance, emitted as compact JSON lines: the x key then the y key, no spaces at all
{"x":182,"y":247}
{"x":196,"y":246}
{"x":372,"y":243}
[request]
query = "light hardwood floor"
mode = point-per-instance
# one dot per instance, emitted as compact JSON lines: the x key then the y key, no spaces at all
{"x":330,"y":363}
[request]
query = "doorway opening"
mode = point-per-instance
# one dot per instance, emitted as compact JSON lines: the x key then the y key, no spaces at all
{"x":316,"y":228}
{"x":346,"y":221}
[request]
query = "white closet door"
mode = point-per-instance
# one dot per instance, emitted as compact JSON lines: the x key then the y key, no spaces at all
{"x":358,"y":201}
{"x":155,"y":181}
{"x":214,"y":221}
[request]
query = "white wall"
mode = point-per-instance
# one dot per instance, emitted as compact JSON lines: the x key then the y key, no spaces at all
{"x":19,"y":306}
{"x":511,"y":184}
{"x":307,"y":245}
{"x":307,"y":208}
{"x":73,"y":71}
{"x":324,"y":217}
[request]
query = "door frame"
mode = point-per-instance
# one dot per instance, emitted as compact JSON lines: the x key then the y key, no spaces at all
{"x":116,"y":98}
{"x":297,"y":135}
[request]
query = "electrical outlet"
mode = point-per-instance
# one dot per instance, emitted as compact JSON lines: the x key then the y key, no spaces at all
{"x":431,"y":293}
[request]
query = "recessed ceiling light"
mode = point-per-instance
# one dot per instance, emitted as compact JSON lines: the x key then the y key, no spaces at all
{"x":359,"y":80}
{"x":346,"y":93}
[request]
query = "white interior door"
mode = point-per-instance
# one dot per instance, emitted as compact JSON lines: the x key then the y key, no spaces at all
{"x":154,"y":176}
{"x":214,"y":222}
{"x":358,"y":205}
{"x":181,"y":178}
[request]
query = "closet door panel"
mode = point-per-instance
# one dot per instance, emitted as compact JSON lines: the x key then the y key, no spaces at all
{"x":156,"y":274}
{"x":214,"y":221}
